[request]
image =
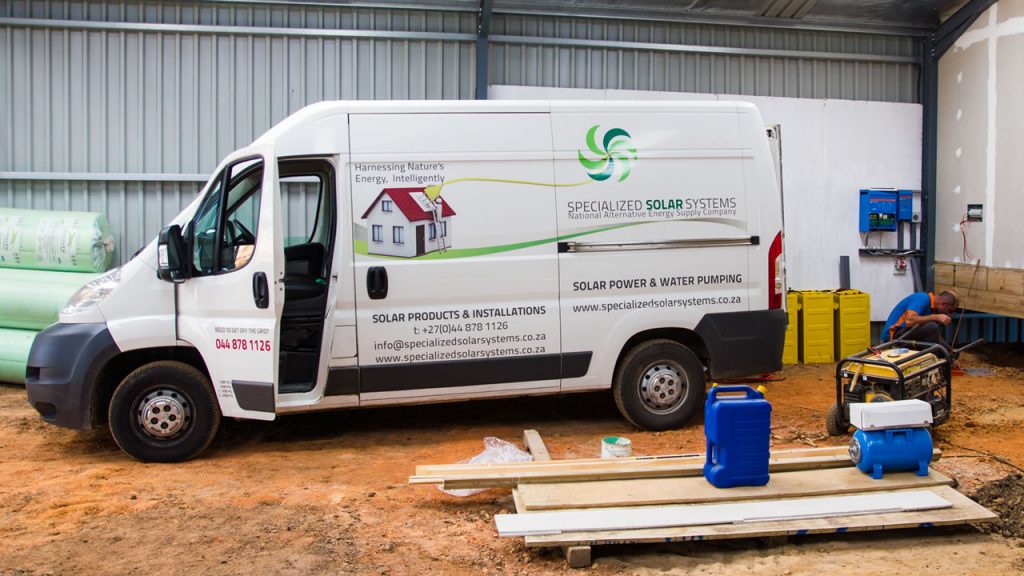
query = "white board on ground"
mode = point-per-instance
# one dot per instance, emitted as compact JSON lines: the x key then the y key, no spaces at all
{"x":537,"y":523}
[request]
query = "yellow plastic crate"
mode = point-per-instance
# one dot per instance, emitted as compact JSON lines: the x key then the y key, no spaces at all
{"x":790,"y":350}
{"x":853,"y":322}
{"x":817,"y":326}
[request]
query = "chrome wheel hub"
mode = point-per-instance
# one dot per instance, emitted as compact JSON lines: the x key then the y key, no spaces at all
{"x":662,"y":387}
{"x":163,"y":413}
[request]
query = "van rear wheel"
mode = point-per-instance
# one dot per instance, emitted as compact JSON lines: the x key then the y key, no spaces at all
{"x":659,"y":385}
{"x":164,"y":412}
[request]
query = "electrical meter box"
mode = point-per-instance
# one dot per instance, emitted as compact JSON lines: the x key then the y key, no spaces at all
{"x":879,"y":209}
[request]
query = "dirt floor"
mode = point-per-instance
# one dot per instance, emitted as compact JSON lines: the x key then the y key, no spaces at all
{"x":327,"y":493}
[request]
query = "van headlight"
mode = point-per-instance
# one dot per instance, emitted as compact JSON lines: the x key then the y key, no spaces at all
{"x":93,"y":292}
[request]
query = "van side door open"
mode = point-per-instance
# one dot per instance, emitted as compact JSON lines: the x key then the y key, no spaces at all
{"x":309,"y":199}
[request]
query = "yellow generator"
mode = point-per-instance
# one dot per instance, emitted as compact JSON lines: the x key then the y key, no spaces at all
{"x":898,"y":370}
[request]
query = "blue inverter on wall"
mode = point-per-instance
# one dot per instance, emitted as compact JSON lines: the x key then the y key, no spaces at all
{"x":905,"y":205}
{"x":878,"y":209}
{"x":737,"y":430}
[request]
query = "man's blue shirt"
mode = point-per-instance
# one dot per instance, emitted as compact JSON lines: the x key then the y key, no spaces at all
{"x":919,"y":302}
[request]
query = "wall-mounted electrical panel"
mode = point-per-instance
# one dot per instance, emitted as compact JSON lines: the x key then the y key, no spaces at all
{"x":878,"y":210}
{"x":881,"y":209}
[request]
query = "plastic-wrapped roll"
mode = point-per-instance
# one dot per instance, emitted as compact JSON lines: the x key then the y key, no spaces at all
{"x":32,"y":299}
{"x":14,"y":347}
{"x":65,"y":241}
{"x":44,"y":277}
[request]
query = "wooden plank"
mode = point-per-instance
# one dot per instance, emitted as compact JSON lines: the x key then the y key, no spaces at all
{"x":509,"y":475}
{"x":963,"y":511}
{"x":994,"y":290}
{"x":535,"y":445}
{"x":994,"y":302}
{"x":440,"y":469}
{"x":575,"y":556}
{"x":645,"y":492}
{"x":643,"y":517}
{"x":968,"y":275}
{"x":944,"y":273}
{"x":517,"y":499}
{"x":1006,"y":281}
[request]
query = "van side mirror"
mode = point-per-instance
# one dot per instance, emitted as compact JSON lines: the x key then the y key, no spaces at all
{"x":170,"y":252}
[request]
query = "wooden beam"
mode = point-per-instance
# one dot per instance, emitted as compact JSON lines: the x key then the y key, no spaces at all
{"x":535,"y":445}
{"x":695,"y":490}
{"x":458,"y":476}
{"x":963,"y":511}
{"x":600,"y":463}
{"x":745,"y":512}
{"x":989,"y":289}
{"x":575,"y":556}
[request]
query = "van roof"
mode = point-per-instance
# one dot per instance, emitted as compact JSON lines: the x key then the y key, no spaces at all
{"x":323,"y":110}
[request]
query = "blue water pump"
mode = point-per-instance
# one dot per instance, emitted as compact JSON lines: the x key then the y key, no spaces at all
{"x":891,"y":437}
{"x":891,"y":450}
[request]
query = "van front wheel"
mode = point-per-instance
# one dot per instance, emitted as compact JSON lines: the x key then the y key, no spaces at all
{"x":659,"y":385}
{"x":164,"y":412}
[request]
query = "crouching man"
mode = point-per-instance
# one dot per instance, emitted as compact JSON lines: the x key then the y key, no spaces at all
{"x":920,"y":317}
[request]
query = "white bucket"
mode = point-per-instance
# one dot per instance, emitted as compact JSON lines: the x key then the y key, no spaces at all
{"x":616,"y":447}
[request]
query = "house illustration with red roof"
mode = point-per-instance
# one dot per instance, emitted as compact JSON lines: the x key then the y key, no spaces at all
{"x":405,"y":222}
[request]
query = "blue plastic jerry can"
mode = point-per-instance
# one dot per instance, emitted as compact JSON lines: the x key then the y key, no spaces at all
{"x":737,"y":430}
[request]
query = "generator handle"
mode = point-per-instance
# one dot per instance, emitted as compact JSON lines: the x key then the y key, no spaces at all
{"x":923,"y":348}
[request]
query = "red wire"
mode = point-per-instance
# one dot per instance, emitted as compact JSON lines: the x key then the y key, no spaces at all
{"x":967,"y":254}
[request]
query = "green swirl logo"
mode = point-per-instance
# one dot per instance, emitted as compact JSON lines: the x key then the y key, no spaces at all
{"x":615,"y":155}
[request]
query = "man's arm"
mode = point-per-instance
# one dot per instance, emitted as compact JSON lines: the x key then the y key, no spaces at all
{"x":913,"y":318}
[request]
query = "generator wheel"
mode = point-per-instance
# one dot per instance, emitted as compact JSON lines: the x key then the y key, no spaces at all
{"x":659,"y":385}
{"x":834,"y":422}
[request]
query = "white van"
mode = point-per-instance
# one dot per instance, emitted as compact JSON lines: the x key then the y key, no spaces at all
{"x":382,"y":253}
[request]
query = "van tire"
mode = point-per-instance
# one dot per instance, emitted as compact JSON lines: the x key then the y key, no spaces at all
{"x":185,"y":413}
{"x":673,"y":400}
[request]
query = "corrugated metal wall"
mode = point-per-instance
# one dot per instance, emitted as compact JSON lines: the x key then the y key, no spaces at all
{"x":703,"y":59}
{"x":125,"y":107}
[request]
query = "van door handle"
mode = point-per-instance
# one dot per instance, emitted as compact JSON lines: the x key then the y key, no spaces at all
{"x":377,"y":283}
{"x":260,"y":292}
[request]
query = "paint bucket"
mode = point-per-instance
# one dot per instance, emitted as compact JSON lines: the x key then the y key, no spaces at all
{"x":616,"y":447}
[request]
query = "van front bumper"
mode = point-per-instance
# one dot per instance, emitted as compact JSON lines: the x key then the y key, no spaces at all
{"x":63,"y":366}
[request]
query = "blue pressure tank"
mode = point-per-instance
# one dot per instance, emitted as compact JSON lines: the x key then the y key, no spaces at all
{"x":737,"y":430}
{"x":891,"y":450}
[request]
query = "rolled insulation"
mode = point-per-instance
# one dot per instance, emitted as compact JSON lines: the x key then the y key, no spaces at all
{"x":77,"y":279}
{"x":45,"y":240}
{"x":32,"y":299}
{"x":14,"y":348}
